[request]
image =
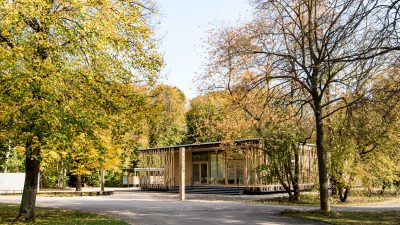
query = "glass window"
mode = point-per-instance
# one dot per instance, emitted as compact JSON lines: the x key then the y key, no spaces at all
{"x":239,"y":172}
{"x":196,"y":178}
{"x":200,"y":156}
{"x":231,"y":173}
{"x":213,"y":168}
{"x":221,"y":168}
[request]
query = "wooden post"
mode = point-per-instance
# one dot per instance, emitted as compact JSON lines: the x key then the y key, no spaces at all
{"x":38,"y":183}
{"x":101,"y":180}
{"x":182,"y":173}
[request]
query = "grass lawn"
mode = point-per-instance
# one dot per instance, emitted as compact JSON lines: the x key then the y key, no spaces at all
{"x":8,"y":212}
{"x":342,"y":218}
{"x":356,"y":198}
{"x":348,"y":218}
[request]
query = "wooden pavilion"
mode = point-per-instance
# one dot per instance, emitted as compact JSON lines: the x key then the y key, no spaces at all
{"x":224,"y":164}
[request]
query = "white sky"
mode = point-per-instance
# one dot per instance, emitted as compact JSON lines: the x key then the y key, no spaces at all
{"x":183,"y":29}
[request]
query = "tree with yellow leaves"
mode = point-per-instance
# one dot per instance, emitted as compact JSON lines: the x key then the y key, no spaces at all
{"x":166,"y":123}
{"x":62,"y":64}
{"x":215,"y":117}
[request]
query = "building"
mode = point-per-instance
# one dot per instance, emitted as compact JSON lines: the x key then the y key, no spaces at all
{"x":236,"y":163}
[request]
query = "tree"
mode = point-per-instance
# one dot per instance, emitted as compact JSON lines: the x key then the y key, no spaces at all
{"x":214,"y":117}
{"x":166,"y":116}
{"x":283,"y":148}
{"x":10,"y":157}
{"x":60,"y":63}
{"x":308,"y":53}
{"x":363,"y":139}
{"x":284,"y":134}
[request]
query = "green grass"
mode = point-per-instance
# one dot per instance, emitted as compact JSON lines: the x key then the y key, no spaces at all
{"x":305,"y":199}
{"x":356,"y":198}
{"x":348,"y":218}
{"x":48,"y":216}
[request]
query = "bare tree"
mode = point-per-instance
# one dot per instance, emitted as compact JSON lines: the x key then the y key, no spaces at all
{"x":307,"y":53}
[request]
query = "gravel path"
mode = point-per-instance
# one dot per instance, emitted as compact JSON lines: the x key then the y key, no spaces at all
{"x":141,"y":207}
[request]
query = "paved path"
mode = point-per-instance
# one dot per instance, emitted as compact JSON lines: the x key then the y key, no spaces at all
{"x":140,"y":207}
{"x":150,"y":208}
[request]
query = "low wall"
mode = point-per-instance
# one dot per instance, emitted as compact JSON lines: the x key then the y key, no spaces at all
{"x":11,"y":182}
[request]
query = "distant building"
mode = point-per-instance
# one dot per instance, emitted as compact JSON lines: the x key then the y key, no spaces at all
{"x":225,"y":164}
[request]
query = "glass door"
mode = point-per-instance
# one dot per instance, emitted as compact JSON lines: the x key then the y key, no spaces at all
{"x":235,"y":173}
{"x":203,"y":173}
{"x":200,"y":173}
{"x":196,"y":173}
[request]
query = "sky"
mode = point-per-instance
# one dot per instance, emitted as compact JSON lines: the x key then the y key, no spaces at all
{"x":183,"y":30}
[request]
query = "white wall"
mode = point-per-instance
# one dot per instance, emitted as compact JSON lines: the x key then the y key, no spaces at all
{"x":11,"y":182}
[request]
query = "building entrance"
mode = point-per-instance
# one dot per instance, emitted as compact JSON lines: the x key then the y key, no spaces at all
{"x":200,"y":173}
{"x":235,"y":171}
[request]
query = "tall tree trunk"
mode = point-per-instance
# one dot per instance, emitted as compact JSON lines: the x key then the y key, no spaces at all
{"x":27,"y":208}
{"x":78,"y":182}
{"x":322,"y":173}
{"x":296,"y":177}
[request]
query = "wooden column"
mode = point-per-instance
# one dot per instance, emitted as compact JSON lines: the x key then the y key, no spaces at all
{"x":182,"y":173}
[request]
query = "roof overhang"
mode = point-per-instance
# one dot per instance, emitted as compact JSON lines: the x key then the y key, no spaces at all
{"x":209,"y":145}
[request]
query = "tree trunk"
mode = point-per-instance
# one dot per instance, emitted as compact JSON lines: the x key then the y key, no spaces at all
{"x":78,"y":182}
{"x":64,"y":176}
{"x":322,"y":173}
{"x":343,"y":195}
{"x":27,"y":208}
{"x":383,"y":189}
{"x":58,"y":176}
{"x":285,"y":185}
{"x":296,"y":178}
{"x":101,"y":180}
{"x":288,"y":190}
{"x":334,"y":188}
{"x":7,"y":156}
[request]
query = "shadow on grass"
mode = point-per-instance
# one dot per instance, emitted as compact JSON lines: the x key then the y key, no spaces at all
{"x":347,"y":218}
{"x":49,"y":216}
{"x":356,"y":198}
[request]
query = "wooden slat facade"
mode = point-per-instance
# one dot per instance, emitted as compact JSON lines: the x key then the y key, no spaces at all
{"x":242,"y":158}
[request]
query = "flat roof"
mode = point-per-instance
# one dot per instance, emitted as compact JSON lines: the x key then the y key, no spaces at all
{"x":203,"y":145}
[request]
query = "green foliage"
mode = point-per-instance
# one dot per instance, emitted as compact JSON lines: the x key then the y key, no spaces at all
{"x":283,"y":151}
{"x":92,"y":179}
{"x":114,"y":179}
{"x":67,"y":67}
{"x":166,"y":116}
{"x":280,"y":151}
{"x":70,"y":72}
{"x":215,"y":117}
{"x":15,"y":161}
{"x":363,"y":141}
{"x":202,"y":118}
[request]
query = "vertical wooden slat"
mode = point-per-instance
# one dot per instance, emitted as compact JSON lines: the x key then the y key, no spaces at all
{"x":182,"y":173}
